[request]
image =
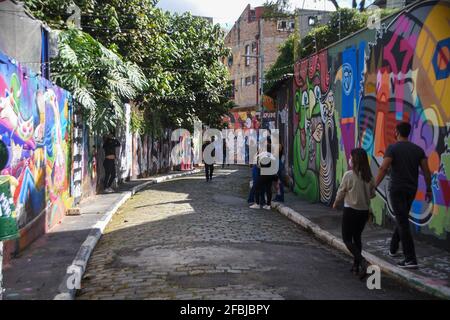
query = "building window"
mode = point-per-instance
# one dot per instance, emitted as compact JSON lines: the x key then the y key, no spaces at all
{"x":242,"y":82}
{"x":286,"y":25}
{"x":253,"y":79}
{"x":247,"y":53}
{"x":248,"y":81}
{"x":252,"y":16}
{"x":312,"y":20}
{"x":230,"y":61}
{"x":254,"y":46}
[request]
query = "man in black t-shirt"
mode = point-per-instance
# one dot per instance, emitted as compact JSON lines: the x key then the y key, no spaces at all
{"x":404,"y":158}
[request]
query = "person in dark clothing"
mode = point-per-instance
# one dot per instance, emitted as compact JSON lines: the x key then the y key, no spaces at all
{"x":209,"y":167}
{"x":263,"y":189}
{"x":404,"y":158}
{"x":110,"y":144}
{"x":281,"y":173}
{"x":254,"y":199}
{"x":224,"y":153}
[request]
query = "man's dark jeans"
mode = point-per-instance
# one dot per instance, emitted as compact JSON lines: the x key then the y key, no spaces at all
{"x":209,"y":170}
{"x":401,"y":201}
{"x":110,"y":172}
{"x":263,"y":191}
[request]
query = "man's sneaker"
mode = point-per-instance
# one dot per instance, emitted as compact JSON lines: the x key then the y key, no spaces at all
{"x":394,"y":254}
{"x":267,"y":207}
{"x":109,"y":190}
{"x":408,"y":264}
{"x":255,"y":206}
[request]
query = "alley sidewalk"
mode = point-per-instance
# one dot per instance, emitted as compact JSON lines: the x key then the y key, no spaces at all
{"x":433,"y":275}
{"x":40,"y":271}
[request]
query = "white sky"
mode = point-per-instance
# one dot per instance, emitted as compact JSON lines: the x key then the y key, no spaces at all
{"x":226,"y":12}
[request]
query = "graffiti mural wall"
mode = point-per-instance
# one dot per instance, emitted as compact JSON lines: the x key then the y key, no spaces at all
{"x":90,"y":170}
{"x":315,"y":141}
{"x":244,"y":120}
{"x":354,"y":93}
{"x":159,"y":152}
{"x":35,"y":136}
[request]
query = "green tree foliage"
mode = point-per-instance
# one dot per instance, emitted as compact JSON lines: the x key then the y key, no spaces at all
{"x":276,"y":9}
{"x":99,"y":80}
{"x":179,"y":55}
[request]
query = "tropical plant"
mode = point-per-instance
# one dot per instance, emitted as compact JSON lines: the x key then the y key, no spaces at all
{"x":179,"y":55}
{"x":99,"y":80}
{"x":277,"y":8}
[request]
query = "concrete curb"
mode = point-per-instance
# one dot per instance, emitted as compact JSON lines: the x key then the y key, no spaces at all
{"x":415,"y":281}
{"x":76,"y":270}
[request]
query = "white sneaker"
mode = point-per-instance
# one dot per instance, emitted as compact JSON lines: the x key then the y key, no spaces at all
{"x":267,"y":207}
{"x":109,"y":190}
{"x":255,"y":206}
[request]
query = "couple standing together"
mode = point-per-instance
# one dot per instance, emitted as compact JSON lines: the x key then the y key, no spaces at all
{"x":404,"y":159}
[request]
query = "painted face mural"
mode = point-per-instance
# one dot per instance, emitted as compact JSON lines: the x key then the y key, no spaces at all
{"x":379,"y":78}
{"x":407,"y":79}
{"x":314,"y":163}
{"x":34,"y":127}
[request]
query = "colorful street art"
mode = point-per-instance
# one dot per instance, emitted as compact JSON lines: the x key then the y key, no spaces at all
{"x":354,"y":93}
{"x":90,"y":174}
{"x":159,"y":159}
{"x":35,"y":129}
{"x":244,"y":120}
{"x":407,"y":79}
{"x":315,"y":138}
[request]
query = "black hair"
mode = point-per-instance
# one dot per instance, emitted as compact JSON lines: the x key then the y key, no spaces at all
{"x":361,"y":164}
{"x":404,"y":129}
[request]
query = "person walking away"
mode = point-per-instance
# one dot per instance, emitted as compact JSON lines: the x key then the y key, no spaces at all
{"x":404,"y":158}
{"x":263,"y":191}
{"x":281,"y":174}
{"x":224,"y":152}
{"x":253,"y":197}
{"x":356,"y":189}
{"x":247,"y":150}
{"x":109,"y":146}
{"x":209,"y":167}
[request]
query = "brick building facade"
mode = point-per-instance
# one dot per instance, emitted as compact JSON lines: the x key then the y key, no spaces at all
{"x":245,"y":38}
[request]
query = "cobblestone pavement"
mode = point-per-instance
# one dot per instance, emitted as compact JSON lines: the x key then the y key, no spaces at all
{"x":192,"y":239}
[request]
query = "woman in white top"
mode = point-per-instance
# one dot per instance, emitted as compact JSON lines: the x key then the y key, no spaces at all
{"x":356,"y":189}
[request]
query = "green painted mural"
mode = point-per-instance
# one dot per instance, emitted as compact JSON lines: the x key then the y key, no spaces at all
{"x":355,"y":92}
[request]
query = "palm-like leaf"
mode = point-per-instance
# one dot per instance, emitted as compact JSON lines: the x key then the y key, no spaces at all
{"x":99,"y":80}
